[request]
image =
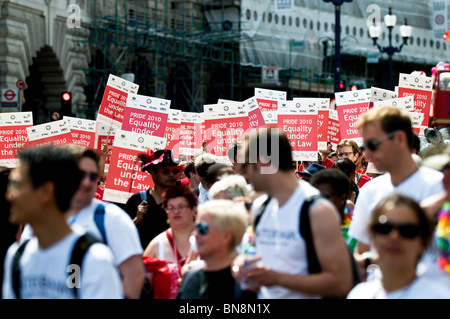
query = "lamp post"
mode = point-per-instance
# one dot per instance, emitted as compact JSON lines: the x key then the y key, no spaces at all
{"x":337,"y":41}
{"x":405,"y":32}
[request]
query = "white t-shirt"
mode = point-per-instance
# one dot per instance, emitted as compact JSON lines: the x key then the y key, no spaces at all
{"x":422,"y":184}
{"x":421,"y":288}
{"x":278,"y":240}
{"x":121,"y":234}
{"x":44,"y":273}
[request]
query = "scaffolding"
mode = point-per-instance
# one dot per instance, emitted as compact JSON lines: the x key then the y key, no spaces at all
{"x":183,"y":50}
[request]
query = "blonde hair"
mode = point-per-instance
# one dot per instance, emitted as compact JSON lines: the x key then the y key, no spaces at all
{"x":233,"y":186}
{"x":227,"y":215}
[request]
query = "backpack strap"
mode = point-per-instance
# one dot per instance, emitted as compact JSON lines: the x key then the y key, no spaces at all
{"x":16,"y":269}
{"x":260,"y":212}
{"x":99,"y":219}
{"x":305,"y":232}
{"x":79,"y":251}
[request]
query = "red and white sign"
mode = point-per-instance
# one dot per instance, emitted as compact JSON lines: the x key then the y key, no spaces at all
{"x":51,"y":133}
{"x":114,"y":99}
{"x":224,"y":125}
{"x":421,"y":88}
{"x":268,"y":99}
{"x":323,"y":105}
{"x":298,"y":119}
{"x":191,"y":137}
{"x":377,"y":95}
{"x":125,"y":176}
{"x":406,"y":104}
{"x":10,"y":96}
{"x":105,"y":133}
{"x":255,"y":116}
{"x":13,"y":135}
{"x":146,"y":115}
{"x":20,"y":84}
{"x":351,"y":105}
{"x":172,"y":134}
{"x":82,"y":131}
{"x":334,"y":135}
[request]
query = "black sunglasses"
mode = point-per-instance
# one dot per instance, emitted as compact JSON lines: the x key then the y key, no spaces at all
{"x":166,"y":171}
{"x":373,"y":144}
{"x":92,"y":176}
{"x":408,"y":231}
{"x":202,"y":228}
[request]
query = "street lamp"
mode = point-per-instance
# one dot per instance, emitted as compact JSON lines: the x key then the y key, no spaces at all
{"x":337,"y":41}
{"x":405,"y":32}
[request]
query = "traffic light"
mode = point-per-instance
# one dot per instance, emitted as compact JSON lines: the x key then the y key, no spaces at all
{"x":354,"y":88}
{"x":343,"y":85}
{"x":66,"y":103}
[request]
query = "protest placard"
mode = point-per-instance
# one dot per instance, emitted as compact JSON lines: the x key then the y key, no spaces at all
{"x":191,"y":142}
{"x":224,"y":125}
{"x":255,"y":116}
{"x":421,"y":88}
{"x":13,"y":136}
{"x":268,"y":99}
{"x":298,"y":119}
{"x":351,"y":105}
{"x":145,"y":115}
{"x":172,"y":133}
{"x":323,"y":105}
{"x":82,"y":131}
{"x":377,"y":94}
{"x":406,"y":104}
{"x":125,"y":176}
{"x":270,"y":118}
{"x":114,"y":99}
{"x":105,"y":134}
{"x":334,"y":135}
{"x":51,"y":133}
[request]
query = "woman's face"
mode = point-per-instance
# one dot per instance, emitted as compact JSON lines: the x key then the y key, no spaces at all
{"x":397,"y":251}
{"x":208,"y":237}
{"x":179,"y":212}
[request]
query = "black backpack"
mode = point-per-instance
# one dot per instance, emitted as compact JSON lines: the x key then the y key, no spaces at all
{"x":305,"y":232}
{"x":79,"y":250}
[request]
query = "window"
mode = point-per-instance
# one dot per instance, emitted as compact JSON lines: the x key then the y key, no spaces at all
{"x":355,"y":32}
{"x":438,"y":45}
{"x":347,"y":30}
{"x":424,"y":42}
{"x":255,"y":15}
{"x":297,"y":22}
{"x":290,"y":20}
{"x":269,"y":17}
{"x":361,"y":32}
{"x":276,"y":18}
{"x":305,"y":23}
{"x":283,"y":20}
{"x":397,"y":38}
{"x":418,"y":42}
{"x":248,"y":14}
{"x":318,"y":26}
{"x":325,"y":26}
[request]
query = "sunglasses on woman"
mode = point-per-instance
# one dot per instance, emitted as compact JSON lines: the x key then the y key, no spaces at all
{"x":202,"y":228}
{"x":166,"y":171}
{"x":373,"y":144}
{"x":405,"y":230}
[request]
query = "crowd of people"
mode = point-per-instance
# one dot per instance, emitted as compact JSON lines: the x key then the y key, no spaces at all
{"x":363,"y":221}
